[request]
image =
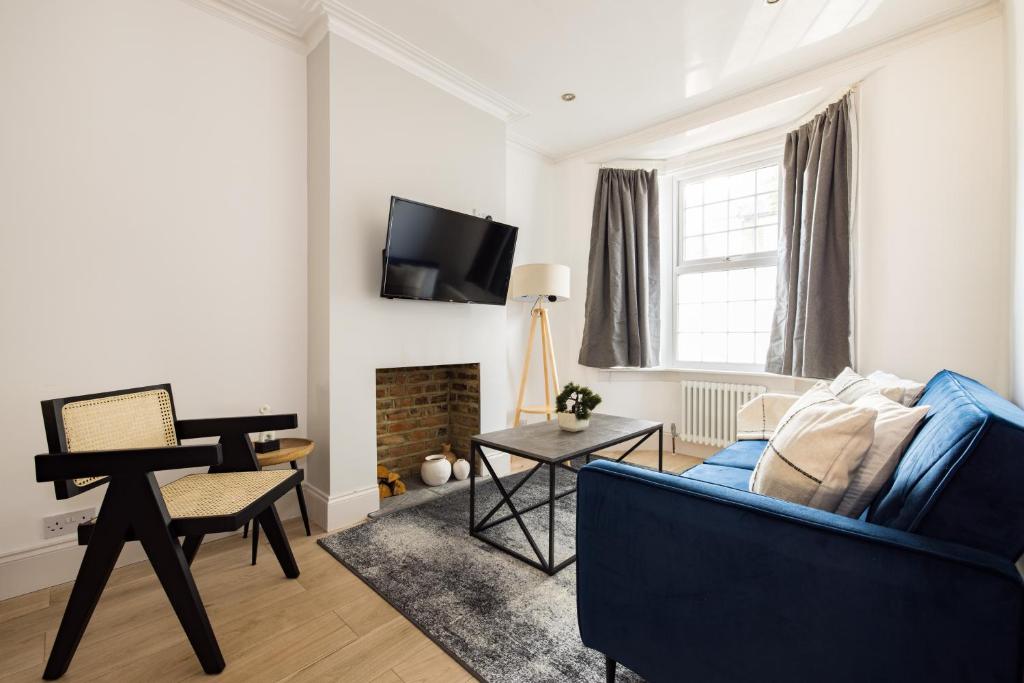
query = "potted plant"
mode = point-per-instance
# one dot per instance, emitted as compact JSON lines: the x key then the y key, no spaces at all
{"x":574,"y":406}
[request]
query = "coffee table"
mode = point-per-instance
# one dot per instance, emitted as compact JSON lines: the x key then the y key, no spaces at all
{"x":546,"y":444}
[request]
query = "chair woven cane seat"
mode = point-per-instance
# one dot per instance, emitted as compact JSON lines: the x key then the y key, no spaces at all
{"x":218,"y":494}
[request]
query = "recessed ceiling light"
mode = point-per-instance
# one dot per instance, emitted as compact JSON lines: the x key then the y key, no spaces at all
{"x":568,"y":96}
{"x":771,"y":2}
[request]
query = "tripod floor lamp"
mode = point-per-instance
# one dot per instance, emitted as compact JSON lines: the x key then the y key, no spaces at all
{"x":536,"y":283}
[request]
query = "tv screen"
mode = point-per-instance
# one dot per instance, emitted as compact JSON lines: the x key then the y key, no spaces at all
{"x":442,"y":255}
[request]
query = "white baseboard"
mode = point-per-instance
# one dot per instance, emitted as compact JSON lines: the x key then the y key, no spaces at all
{"x":344,"y":510}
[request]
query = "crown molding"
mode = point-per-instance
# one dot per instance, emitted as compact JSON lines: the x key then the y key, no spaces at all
{"x":313,"y":19}
{"x":345,"y":22}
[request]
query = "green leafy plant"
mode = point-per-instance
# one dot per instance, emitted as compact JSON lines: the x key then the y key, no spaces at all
{"x":577,"y":400}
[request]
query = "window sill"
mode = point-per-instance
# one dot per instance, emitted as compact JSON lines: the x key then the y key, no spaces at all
{"x":776,"y":383}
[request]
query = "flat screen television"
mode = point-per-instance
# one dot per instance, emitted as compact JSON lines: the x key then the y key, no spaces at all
{"x":436,"y":254}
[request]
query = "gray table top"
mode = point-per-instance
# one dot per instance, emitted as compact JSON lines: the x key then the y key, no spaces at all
{"x":545,"y":442}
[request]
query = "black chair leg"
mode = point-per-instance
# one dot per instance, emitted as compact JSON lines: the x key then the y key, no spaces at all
{"x":191,"y":547}
{"x":255,"y":539}
{"x":245,"y":531}
{"x":302,"y":502}
{"x":609,"y":670}
{"x":100,"y":555}
{"x":151,"y":524}
{"x":271,"y":524}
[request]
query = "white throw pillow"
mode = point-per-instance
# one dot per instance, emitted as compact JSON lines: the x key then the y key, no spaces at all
{"x":757,"y":419}
{"x":815,"y":450}
{"x":911,"y":390}
{"x":849,"y":386}
{"x":895,"y":426}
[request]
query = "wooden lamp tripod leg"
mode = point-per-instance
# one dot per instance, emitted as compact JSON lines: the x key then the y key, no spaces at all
{"x":545,"y":353}
{"x":526,"y":369}
{"x":549,"y":348}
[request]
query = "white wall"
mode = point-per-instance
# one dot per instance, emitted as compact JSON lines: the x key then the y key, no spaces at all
{"x":393,"y":133}
{"x":933,"y":276}
{"x":152,"y":228}
{"x":1015,"y":131}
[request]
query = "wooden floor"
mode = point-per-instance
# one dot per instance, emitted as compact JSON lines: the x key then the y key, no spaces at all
{"x":325,"y":625}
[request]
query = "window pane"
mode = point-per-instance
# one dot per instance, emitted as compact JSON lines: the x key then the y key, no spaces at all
{"x":741,"y":316}
{"x":741,"y":242}
{"x":741,"y":348}
{"x":765,"y":314}
{"x":693,"y":248}
{"x":767,"y":238}
{"x":688,"y":318}
{"x":741,"y":285}
{"x":741,"y":185}
{"x":693,"y":221}
{"x":767,"y":209}
{"x":716,"y":217}
{"x":688,"y":347}
{"x":715,"y":286}
{"x":713,"y":317}
{"x":713,"y":348}
{"x":689,"y":288}
{"x":693,"y":194}
{"x":766,"y":283}
{"x":761,"y":347}
{"x":768,"y":179}
{"x":715,"y":245}
{"x":716,"y":189}
{"x":741,"y":213}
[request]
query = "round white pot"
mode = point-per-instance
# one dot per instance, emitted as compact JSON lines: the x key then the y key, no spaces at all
{"x":461,"y":469}
{"x":435,"y":470}
{"x":570,"y":423}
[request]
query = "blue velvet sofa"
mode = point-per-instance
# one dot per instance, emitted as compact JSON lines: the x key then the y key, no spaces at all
{"x":694,"y":578}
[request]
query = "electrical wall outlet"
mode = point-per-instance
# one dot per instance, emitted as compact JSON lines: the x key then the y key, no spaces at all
{"x":66,"y":522}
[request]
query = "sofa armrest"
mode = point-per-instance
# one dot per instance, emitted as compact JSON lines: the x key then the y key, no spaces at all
{"x":676,"y":576}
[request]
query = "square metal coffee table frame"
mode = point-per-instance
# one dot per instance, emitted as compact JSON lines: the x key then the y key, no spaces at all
{"x":516,"y":442}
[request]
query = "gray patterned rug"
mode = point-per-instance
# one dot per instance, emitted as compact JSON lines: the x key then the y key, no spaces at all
{"x":505,"y":621}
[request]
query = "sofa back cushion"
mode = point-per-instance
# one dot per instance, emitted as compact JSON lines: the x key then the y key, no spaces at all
{"x":961,"y":477}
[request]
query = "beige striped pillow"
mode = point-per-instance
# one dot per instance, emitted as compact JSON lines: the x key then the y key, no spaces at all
{"x":815,"y":450}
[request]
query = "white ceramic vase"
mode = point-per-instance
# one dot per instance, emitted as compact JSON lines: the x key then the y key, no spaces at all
{"x":570,"y":423}
{"x":435,"y":470}
{"x":461,"y":469}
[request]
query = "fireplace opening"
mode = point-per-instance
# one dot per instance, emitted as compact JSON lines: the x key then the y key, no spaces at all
{"x":420,"y":410}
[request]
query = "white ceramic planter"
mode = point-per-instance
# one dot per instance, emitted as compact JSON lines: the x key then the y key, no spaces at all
{"x":461,"y":469}
{"x":570,"y":423}
{"x":435,"y":470}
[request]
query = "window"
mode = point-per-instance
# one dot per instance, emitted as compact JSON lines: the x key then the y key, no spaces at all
{"x":727,"y":230}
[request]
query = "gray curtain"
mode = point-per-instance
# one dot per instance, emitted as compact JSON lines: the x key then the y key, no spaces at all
{"x":623,"y":320}
{"x":811,"y":330}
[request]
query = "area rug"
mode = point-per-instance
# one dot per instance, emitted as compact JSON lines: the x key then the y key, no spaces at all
{"x":503,"y":620}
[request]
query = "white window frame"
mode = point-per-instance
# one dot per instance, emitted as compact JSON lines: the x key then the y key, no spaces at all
{"x":722,"y":164}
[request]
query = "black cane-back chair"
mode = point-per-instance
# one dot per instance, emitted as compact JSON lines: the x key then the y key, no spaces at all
{"x":120,"y":438}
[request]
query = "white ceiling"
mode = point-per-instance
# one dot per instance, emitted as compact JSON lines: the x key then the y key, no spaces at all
{"x":631,"y":64}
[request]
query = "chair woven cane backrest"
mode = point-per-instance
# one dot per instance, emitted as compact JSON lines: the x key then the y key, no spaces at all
{"x":143,"y":419}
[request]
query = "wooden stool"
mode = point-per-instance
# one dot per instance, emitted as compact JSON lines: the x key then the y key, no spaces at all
{"x":291,"y":451}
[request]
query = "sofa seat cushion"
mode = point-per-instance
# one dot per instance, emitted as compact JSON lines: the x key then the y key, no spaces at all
{"x":742,"y":454}
{"x":732,"y":477}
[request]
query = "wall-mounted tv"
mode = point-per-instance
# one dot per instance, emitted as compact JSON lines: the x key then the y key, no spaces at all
{"x":437,"y":254}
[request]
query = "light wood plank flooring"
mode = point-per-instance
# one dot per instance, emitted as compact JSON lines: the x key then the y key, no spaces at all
{"x":326,"y":625}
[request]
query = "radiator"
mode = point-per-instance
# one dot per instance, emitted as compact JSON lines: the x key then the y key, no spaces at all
{"x":709,"y":411}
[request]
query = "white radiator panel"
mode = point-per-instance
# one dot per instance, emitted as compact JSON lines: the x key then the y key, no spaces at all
{"x":709,"y":411}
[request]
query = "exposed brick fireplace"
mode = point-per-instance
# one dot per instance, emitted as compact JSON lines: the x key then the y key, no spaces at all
{"x":421,"y":408}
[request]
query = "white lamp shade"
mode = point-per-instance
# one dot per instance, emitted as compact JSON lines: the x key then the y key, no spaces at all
{"x":540,"y":280}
